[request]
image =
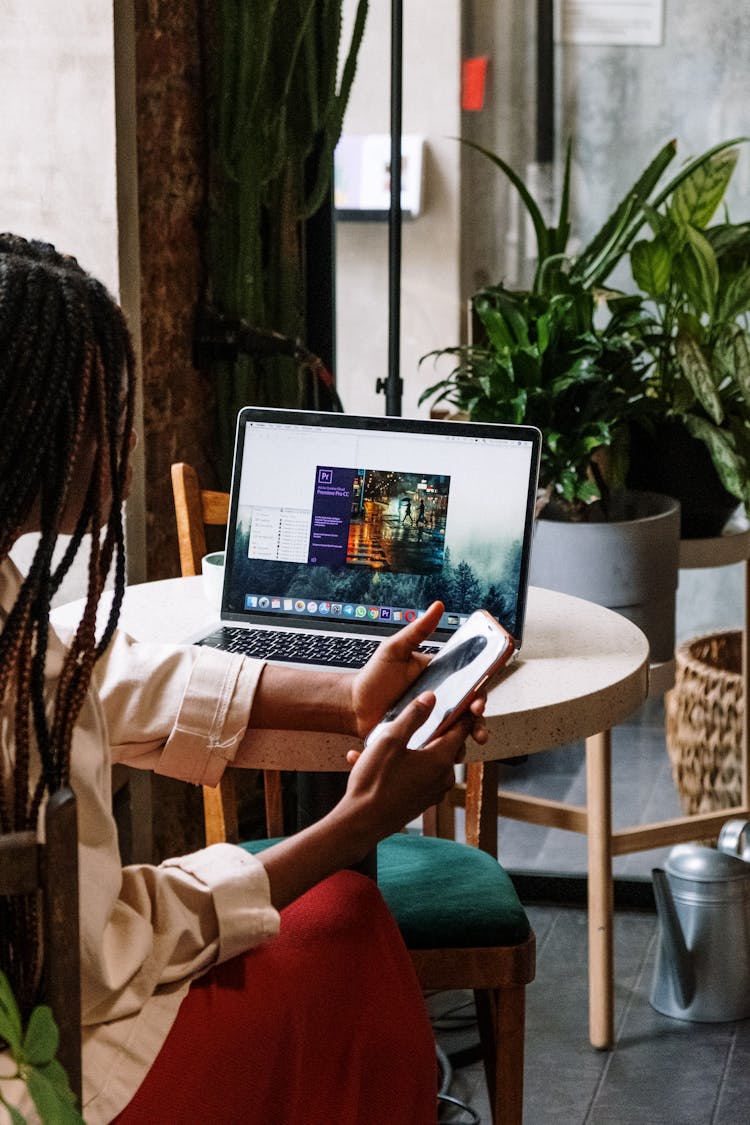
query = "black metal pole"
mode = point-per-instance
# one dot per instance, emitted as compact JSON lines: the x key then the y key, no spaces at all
{"x":394,"y":385}
{"x":545,"y":83}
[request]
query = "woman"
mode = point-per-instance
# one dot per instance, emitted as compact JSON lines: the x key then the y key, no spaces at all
{"x":190,"y":1013}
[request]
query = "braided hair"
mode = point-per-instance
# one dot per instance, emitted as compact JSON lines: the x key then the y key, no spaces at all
{"x":66,"y":384}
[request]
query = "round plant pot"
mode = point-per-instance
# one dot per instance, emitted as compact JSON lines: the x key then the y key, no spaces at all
{"x":677,"y":464}
{"x":628,"y":563}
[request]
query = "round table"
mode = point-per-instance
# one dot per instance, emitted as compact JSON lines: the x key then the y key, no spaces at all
{"x":582,"y":669}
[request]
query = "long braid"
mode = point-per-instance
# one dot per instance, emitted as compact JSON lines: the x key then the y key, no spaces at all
{"x":66,"y":384}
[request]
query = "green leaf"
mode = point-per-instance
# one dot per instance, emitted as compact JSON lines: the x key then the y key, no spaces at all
{"x":588,"y":491}
{"x":601,"y":255}
{"x":697,"y":371}
{"x":733,"y":353}
{"x":534,"y":212}
{"x":57,"y":1077}
{"x":526,"y":369}
{"x":689,"y":168}
{"x":626,"y":239}
{"x":583,"y":370}
{"x":42,"y":1037}
{"x":704,"y":283}
{"x":560,"y":234}
{"x":732,"y":469}
{"x":568,"y":485}
{"x":53,"y":1108}
{"x":504,"y":316}
{"x":651,"y":262}
{"x":730,"y":239}
{"x":735,"y":298}
{"x":695,"y":200}
{"x":10,"y":1017}
{"x":496,"y":327}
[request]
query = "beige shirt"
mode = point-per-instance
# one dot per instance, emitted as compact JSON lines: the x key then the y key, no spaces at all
{"x":146,"y":931}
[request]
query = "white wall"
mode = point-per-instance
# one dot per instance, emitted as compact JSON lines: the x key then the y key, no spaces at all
{"x":57,"y":137}
{"x":57,"y":144}
{"x":430,"y":305}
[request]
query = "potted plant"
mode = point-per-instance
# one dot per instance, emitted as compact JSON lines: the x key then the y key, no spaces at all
{"x":572,"y":358}
{"x":542,"y":360}
{"x":694,"y":439}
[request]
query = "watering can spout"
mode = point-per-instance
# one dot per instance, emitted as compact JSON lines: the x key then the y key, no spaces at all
{"x":679,"y":959}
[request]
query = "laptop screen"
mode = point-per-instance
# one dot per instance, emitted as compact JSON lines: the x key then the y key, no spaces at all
{"x":363,"y":522}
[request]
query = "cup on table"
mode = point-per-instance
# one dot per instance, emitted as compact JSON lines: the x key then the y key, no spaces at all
{"x":212,"y":569}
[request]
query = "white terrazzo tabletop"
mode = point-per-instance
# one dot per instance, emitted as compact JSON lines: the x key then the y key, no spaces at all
{"x":582,"y":669}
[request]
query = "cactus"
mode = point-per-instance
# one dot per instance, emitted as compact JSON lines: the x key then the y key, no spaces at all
{"x":275,"y":116}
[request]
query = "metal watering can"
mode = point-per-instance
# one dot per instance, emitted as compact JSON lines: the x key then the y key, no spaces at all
{"x":703,"y":959}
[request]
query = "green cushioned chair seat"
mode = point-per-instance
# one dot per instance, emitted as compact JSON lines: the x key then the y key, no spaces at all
{"x":444,"y":894}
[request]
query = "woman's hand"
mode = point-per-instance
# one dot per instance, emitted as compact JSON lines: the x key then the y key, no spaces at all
{"x":391,"y":784}
{"x":394,"y":667}
{"x":388,"y":786}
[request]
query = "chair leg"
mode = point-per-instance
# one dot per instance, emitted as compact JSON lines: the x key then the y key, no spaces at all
{"x":501,"y":1015}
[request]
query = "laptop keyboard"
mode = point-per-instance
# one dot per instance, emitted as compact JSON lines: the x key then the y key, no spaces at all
{"x":298,"y":648}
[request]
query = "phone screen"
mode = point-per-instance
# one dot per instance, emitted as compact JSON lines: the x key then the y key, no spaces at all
{"x":475,"y":651}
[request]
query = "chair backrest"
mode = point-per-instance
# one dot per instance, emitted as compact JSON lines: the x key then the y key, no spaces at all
{"x":194,"y":509}
{"x":29,"y":867}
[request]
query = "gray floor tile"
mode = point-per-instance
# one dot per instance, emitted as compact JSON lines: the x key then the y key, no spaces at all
{"x":662,"y":1071}
{"x":733,"y":1104}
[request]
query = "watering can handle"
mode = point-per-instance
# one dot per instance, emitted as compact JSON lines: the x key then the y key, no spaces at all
{"x":734,"y":837}
{"x":679,"y":960}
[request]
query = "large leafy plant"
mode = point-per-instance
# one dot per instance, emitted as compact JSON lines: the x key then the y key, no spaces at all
{"x":32,"y":1050}
{"x":543,"y":357}
{"x":544,"y":362}
{"x":697,"y":278}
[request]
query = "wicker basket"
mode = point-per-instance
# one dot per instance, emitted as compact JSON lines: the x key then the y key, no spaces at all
{"x":704,"y":722}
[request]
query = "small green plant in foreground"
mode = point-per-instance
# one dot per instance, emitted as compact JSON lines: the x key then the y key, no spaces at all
{"x":33,"y":1051}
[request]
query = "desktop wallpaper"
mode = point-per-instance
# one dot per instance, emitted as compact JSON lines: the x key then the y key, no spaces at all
{"x":377,"y":537}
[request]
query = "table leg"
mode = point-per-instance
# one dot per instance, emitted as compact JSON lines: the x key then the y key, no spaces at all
{"x":600,"y":894}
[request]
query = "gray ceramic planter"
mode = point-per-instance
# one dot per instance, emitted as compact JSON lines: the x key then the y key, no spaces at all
{"x":628,"y":564}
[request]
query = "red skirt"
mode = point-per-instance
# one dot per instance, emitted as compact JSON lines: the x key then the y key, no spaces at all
{"x":323,"y":1025}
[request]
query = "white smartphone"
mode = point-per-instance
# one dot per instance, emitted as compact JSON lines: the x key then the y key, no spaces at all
{"x":475,"y":651}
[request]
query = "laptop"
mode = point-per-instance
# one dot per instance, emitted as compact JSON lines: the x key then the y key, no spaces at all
{"x":343,"y":529}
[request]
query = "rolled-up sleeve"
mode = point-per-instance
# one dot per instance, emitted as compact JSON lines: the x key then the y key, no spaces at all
{"x":169,"y":923}
{"x":180,"y":710}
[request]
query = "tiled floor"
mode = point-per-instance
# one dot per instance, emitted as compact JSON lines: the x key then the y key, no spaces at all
{"x":661,"y":1071}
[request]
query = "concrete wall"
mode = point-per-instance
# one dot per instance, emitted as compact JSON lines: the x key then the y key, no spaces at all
{"x":621,"y":104}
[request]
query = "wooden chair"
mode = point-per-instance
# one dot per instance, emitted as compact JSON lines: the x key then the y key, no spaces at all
{"x":456,"y":907}
{"x":29,"y":867}
{"x":195,"y":509}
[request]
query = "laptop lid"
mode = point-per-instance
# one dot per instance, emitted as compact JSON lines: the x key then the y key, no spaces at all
{"x":357,"y":524}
